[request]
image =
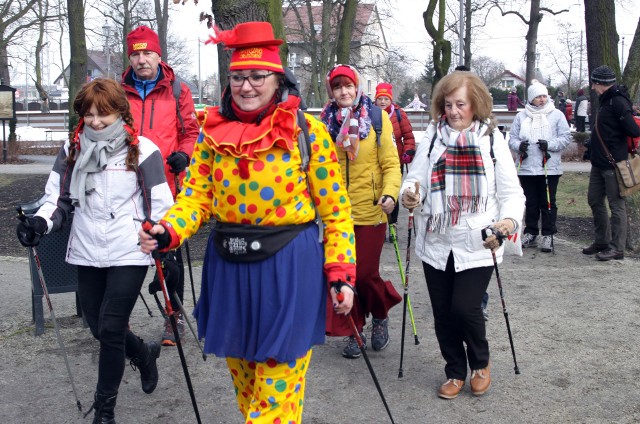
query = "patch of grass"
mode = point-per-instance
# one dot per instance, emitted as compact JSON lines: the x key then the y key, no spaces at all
{"x":6,"y":180}
{"x":571,"y":197}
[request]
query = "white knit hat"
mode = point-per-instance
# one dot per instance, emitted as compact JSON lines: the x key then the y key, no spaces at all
{"x":536,"y":89}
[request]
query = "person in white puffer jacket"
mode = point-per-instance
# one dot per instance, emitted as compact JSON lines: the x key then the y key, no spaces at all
{"x":105,"y":181}
{"x":461,"y":192}
{"x":539,"y":134}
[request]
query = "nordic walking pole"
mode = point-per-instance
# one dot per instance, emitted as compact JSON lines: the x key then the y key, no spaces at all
{"x":147,"y":224}
{"x":36,"y":259}
{"x":186,"y":246}
{"x":184,"y":315}
{"x":485,"y":233}
{"x":340,"y":298}
{"x":402,"y":278}
{"x":406,"y":287}
{"x":145,"y":304}
{"x":546,"y":182}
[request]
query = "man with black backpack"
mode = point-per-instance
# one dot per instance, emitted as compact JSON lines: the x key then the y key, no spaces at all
{"x":163,"y":111}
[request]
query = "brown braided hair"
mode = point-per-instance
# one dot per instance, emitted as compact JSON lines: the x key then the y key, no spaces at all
{"x":109,"y":97}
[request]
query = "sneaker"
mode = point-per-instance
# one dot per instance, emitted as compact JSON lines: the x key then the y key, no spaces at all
{"x":450,"y":389}
{"x":547,"y":244}
{"x":380,"y":334}
{"x":481,"y":380}
{"x":352,"y":350}
{"x":529,"y":240}
{"x":607,"y":255}
{"x":594,"y":248}
{"x":168,"y":338}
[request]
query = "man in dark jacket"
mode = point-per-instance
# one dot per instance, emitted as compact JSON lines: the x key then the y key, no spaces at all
{"x":613,"y":123}
{"x":164,"y":116}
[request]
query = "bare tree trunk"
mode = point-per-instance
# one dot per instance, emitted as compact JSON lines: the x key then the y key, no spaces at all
{"x":631,"y":76}
{"x":78,"y":49}
{"x":162,"y":18}
{"x":467,"y":33}
{"x":532,"y":40}
{"x":343,"y":45}
{"x":43,"y":10}
{"x":441,"y":46}
{"x":229,"y":13}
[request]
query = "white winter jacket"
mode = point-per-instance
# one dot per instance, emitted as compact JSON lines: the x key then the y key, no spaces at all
{"x":560,"y":139}
{"x":505,"y":200}
{"x":105,"y":232}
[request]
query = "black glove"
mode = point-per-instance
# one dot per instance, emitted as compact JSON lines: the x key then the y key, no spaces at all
{"x":178,"y":161}
{"x":587,"y":151}
{"x":30,"y":230}
{"x":543,"y":145}
{"x":171,"y":272}
{"x":524,"y":146}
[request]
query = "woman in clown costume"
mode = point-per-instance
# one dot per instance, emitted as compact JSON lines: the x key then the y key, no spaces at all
{"x":268,"y":263}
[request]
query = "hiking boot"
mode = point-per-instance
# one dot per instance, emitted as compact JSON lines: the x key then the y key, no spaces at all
{"x":547,"y":244}
{"x":168,"y":338}
{"x":352,"y":350}
{"x":380,"y":334}
{"x":607,"y":255}
{"x":594,"y":248}
{"x":145,"y":361}
{"x":450,"y":389}
{"x":529,"y":240}
{"x":481,"y":380}
{"x":104,"y":406}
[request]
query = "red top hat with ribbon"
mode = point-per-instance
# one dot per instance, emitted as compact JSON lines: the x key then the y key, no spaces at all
{"x":254,"y":44}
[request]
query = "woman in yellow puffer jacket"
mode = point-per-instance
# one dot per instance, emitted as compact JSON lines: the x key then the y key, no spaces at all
{"x":371,"y":170}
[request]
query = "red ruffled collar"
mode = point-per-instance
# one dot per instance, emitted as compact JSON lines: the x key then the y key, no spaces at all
{"x":244,"y":140}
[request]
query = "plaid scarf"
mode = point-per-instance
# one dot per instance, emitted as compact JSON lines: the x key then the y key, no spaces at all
{"x":458,"y":180}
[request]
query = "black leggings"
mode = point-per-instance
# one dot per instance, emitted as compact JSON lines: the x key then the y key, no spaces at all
{"x":107,"y":297}
{"x":455,"y":299}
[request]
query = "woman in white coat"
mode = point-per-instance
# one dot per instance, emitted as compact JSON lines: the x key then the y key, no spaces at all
{"x":109,"y":180}
{"x":462,"y":191}
{"x":539,"y":169}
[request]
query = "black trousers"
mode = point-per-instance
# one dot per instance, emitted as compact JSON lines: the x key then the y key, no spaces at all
{"x":107,"y":297}
{"x":580,"y":123}
{"x":455,"y":299}
{"x":537,"y":204}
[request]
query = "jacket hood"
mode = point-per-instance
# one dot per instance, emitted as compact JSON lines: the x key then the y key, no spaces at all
{"x":615,"y":90}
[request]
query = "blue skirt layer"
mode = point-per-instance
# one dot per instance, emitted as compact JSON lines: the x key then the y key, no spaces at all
{"x":273,"y":308}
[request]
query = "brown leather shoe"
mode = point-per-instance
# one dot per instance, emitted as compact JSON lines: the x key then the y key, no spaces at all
{"x":481,"y":380}
{"x":594,"y":248}
{"x":451,"y":388}
{"x":607,"y":255}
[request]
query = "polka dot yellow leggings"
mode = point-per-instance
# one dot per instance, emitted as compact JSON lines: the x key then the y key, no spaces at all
{"x":270,"y":392}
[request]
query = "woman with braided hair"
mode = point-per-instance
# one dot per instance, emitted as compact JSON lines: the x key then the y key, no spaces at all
{"x":96,"y":179}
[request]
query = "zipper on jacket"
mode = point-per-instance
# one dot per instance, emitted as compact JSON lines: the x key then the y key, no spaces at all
{"x":142,"y":118}
{"x":153,"y":106}
{"x":373,"y":190}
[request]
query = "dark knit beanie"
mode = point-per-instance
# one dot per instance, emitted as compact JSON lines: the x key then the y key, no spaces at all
{"x":603,"y":75}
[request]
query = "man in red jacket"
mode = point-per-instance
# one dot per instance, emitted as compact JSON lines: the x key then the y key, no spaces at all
{"x":402,"y":133}
{"x":163,"y":111}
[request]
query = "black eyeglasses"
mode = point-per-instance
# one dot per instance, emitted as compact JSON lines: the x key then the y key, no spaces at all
{"x":255,"y":80}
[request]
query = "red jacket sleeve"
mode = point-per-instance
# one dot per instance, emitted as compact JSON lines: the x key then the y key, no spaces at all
{"x":408,"y":140}
{"x":188,"y":137}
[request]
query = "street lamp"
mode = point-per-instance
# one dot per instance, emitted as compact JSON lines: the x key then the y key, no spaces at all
{"x":106,"y":31}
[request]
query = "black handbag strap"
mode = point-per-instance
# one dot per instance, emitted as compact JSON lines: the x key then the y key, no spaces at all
{"x":604,"y":146}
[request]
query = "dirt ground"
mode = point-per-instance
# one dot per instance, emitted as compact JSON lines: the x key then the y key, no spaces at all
{"x":574,"y":322}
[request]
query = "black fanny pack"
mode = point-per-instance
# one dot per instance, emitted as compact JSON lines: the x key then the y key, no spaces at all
{"x":252,"y":243}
